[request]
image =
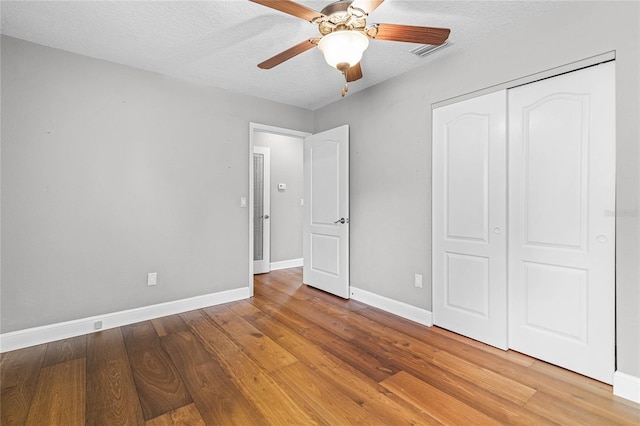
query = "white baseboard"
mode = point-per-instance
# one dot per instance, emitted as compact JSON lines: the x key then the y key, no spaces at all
{"x":419,"y":315}
{"x":285,"y":264}
{"x":64,"y":330}
{"x":626,"y":386}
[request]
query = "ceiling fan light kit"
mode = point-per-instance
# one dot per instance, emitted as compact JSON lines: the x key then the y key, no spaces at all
{"x":345,"y":34}
{"x":343,"y":48}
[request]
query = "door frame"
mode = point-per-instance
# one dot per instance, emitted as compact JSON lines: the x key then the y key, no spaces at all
{"x":255,"y":128}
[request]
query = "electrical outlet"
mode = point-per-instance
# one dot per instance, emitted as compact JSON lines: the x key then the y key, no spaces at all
{"x":152,"y":278}
{"x":418,"y":281}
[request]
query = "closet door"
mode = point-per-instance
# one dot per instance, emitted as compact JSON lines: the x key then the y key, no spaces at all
{"x":561,"y":220}
{"x":469,"y":196}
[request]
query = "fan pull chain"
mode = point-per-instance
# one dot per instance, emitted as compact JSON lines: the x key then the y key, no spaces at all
{"x":346,"y":83}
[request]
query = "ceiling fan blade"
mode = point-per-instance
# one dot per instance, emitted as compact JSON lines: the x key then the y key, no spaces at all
{"x":292,"y":8}
{"x":289,"y":53}
{"x":354,"y":73}
{"x":367,"y":5}
{"x":411,"y":34}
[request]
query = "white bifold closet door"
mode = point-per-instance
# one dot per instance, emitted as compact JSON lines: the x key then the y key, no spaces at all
{"x":557,"y":264}
{"x":469,"y":217}
{"x":562,"y":221}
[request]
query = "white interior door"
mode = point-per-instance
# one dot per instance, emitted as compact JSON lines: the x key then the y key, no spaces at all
{"x":261,"y":209}
{"x":562,"y":225}
{"x":469,"y":209}
{"x":326,"y":211}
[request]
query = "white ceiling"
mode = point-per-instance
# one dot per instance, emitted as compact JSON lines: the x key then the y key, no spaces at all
{"x":219,"y":43}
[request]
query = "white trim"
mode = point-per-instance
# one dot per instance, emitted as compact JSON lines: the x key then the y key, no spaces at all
{"x":285,"y":264}
{"x":277,"y":130}
{"x":254,"y":128}
{"x":64,"y":330}
{"x":626,"y":386}
{"x":404,"y":310}
{"x":552,"y":72}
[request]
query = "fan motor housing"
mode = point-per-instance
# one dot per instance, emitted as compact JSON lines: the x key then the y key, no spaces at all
{"x":340,"y":16}
{"x":336,"y":7}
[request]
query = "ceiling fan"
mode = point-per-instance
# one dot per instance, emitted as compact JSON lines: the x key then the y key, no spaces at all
{"x":345,"y":34}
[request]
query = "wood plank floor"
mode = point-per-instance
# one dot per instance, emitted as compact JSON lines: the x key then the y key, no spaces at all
{"x":293,"y":355}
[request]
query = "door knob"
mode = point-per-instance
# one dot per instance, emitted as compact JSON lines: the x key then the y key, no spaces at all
{"x":266,"y":216}
{"x":342,"y":220}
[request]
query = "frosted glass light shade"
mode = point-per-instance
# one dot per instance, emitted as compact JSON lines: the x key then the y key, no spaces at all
{"x":343,"y":47}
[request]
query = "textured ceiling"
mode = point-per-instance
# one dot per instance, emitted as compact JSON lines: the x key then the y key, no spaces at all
{"x":219,"y":43}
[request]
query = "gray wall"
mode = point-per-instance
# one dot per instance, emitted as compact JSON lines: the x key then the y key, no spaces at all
{"x":286,"y":212}
{"x":391,"y":150}
{"x":109,"y":173}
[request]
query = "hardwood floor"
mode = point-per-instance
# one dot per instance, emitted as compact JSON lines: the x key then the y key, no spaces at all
{"x":293,"y":355}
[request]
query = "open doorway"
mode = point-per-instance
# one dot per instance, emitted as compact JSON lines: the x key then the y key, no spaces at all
{"x":284,"y":224}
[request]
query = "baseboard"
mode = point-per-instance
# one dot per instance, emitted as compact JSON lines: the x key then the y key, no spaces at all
{"x":626,"y":386}
{"x":64,"y":330}
{"x":404,"y":310}
{"x":285,"y":264}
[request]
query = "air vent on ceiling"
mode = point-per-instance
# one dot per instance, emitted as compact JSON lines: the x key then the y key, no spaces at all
{"x":428,"y":49}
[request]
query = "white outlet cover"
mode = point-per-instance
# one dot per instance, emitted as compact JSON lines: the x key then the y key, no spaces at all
{"x":152,"y":278}
{"x":418,"y":280}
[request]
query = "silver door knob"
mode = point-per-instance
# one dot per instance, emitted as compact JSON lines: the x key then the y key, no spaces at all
{"x":266,"y":216}
{"x":342,"y":220}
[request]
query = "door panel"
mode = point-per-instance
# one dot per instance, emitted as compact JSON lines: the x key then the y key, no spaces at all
{"x":466,"y":163}
{"x":324,"y":158}
{"x":325,"y":254}
{"x":552,"y":288}
{"x":469,"y":245}
{"x":555,"y":186}
{"x":462,"y":269}
{"x":561,"y":241}
{"x":326,"y":187}
{"x":261,"y":209}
